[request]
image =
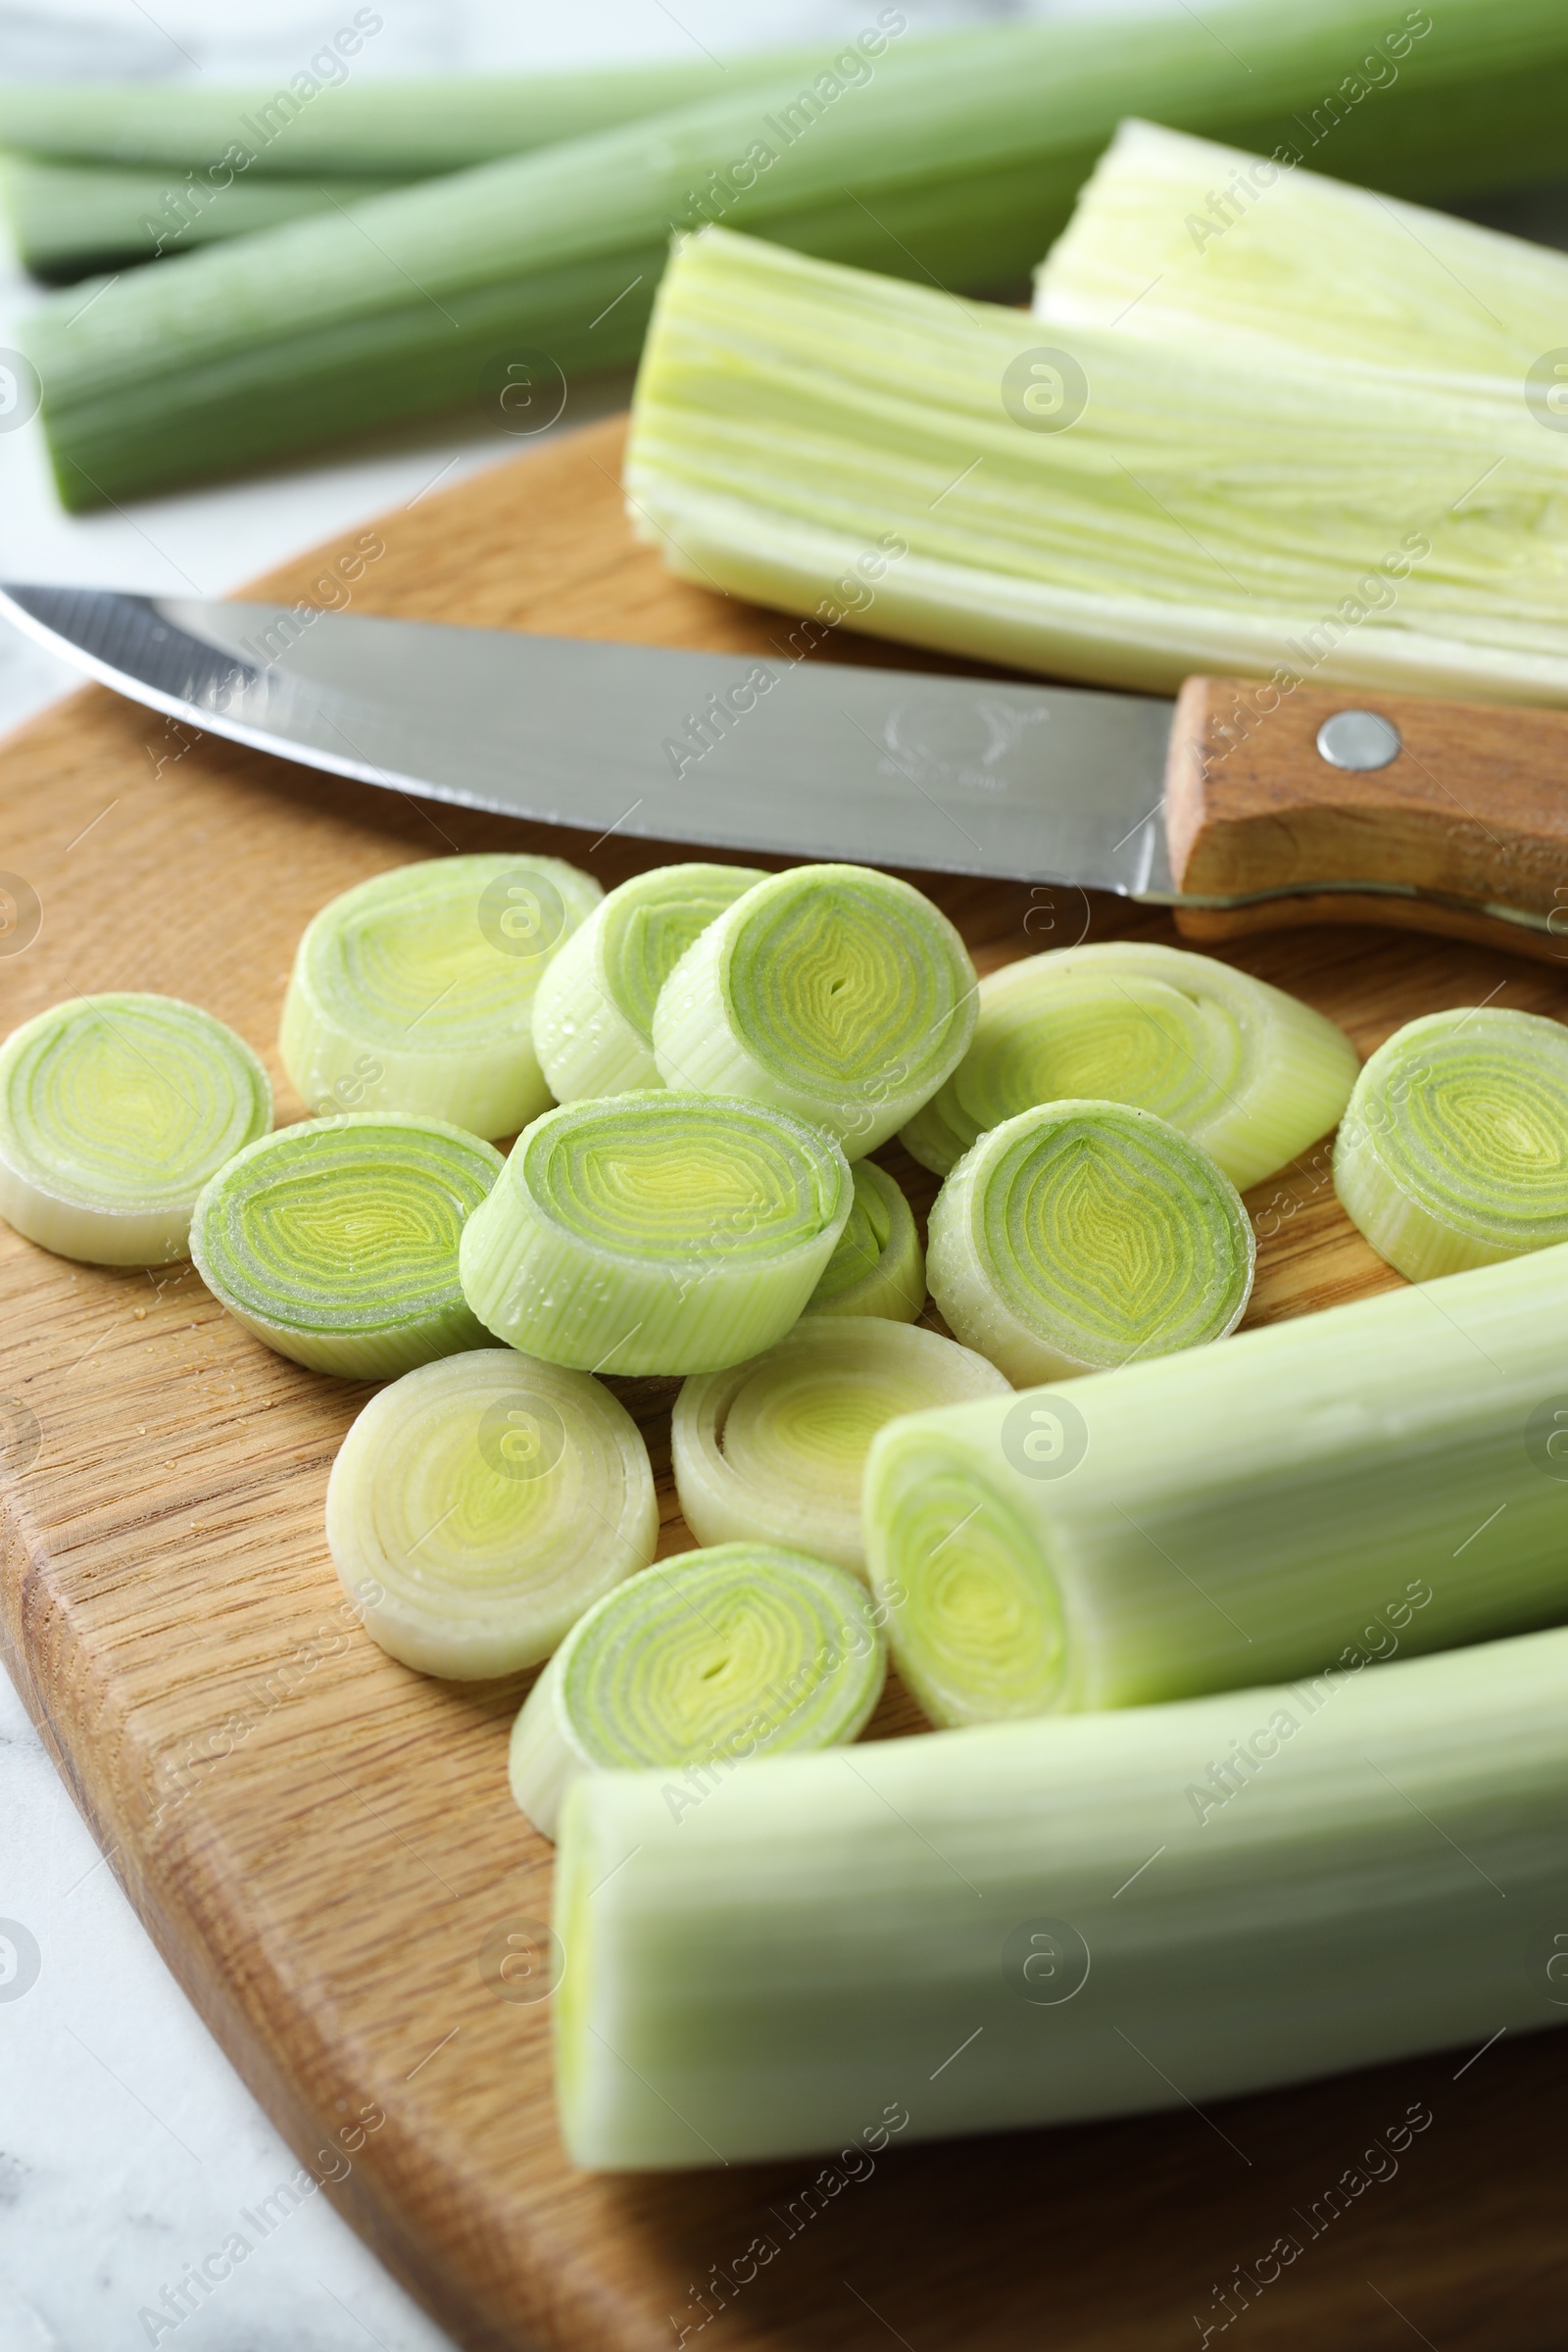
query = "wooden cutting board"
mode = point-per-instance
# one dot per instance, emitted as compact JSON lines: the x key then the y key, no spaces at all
{"x":323,"y":1842}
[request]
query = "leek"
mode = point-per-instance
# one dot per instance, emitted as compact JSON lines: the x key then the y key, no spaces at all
{"x":1080,"y":1235}
{"x":592,"y":1016}
{"x":1454,"y":1150}
{"x":703,"y":1662}
{"x":480,"y":1504}
{"x":114,"y":1113}
{"x":1238,"y":1514}
{"x":774,"y":1451}
{"x":657,"y":1232}
{"x":878,"y":1267}
{"x":1246,"y":1070}
{"x":836,"y":993}
{"x":1044,"y":1923}
{"x":336,"y":1242}
{"x":413,"y":992}
{"x":66,"y":220}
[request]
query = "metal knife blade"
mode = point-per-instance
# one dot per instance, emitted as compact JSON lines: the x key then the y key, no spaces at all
{"x":798,"y":759}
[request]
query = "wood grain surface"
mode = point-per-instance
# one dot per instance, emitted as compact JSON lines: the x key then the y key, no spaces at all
{"x":323,"y":1842}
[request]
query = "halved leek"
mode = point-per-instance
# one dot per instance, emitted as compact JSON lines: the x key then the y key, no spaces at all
{"x":480,"y":1504}
{"x":707,"y":1659}
{"x":1240,"y":1514}
{"x":335,"y":1242}
{"x":592,"y":1016}
{"x":1080,"y":1235}
{"x":834,"y":992}
{"x":773,"y":1451}
{"x":114,"y":1113}
{"x":1249,"y":1072}
{"x":1454,"y":1150}
{"x":415,"y":990}
{"x":879,"y":1266}
{"x":656,"y":1232}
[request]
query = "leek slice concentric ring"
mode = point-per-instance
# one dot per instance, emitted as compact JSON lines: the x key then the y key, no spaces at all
{"x":878,"y":1267}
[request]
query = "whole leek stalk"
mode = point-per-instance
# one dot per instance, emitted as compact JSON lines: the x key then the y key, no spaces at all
{"x":1040,"y":1922}
{"x":955,"y":163}
{"x":68,"y":220}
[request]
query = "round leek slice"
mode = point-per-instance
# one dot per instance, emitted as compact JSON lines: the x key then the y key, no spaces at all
{"x":593,"y":1017}
{"x":1246,"y":1071}
{"x":1080,"y":1235}
{"x":479,"y":1505}
{"x":415,"y":990}
{"x":114,"y":1113}
{"x":774,"y":1449}
{"x":656,"y":1232}
{"x":879,"y":1266}
{"x":335,"y":1242}
{"x":1454,"y":1150}
{"x":833,"y":992}
{"x":696,"y":1665}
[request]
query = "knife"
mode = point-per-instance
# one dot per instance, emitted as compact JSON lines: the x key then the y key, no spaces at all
{"x":1240,"y":806}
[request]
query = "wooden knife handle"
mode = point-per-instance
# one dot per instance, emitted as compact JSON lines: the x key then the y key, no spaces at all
{"x":1469,"y":813}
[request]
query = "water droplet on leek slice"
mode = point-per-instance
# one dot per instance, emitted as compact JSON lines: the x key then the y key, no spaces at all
{"x":833,"y":992}
{"x":773,"y":1450}
{"x":1247,"y":1072}
{"x":114,"y":1113}
{"x":1454,"y":1150}
{"x":413,"y":992}
{"x":1080,"y":1235}
{"x":593,"y":1017}
{"x":335,"y":1242}
{"x":480,"y":1504}
{"x":656,"y":1232}
{"x":879,"y":1266}
{"x":696,"y":1665}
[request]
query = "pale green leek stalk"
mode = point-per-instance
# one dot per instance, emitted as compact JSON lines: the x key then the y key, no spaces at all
{"x":1454,"y":1150}
{"x":878,"y":1267}
{"x":1045,"y":1923}
{"x":68,"y":220}
{"x":1235,"y":1514}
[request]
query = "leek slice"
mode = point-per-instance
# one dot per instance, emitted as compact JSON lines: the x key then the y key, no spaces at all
{"x":479,"y":1505}
{"x":1249,"y":1072}
{"x":879,"y":1266}
{"x":656,"y":1232}
{"x":335,"y":1242}
{"x":703,"y":1662}
{"x":834,"y":992}
{"x":1044,"y":1923}
{"x":114,"y":1113}
{"x":1260,"y":1508}
{"x":592,"y":1016}
{"x":413,"y":992}
{"x":1454,"y":1150}
{"x":774,"y":1451}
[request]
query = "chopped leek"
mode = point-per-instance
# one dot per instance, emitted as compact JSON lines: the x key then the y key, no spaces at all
{"x":480,"y":1504}
{"x":701,"y":1663}
{"x":833,"y":992}
{"x":774,"y":1451}
{"x":1244,"y":1512}
{"x":1080,"y":1235}
{"x":657,"y":1232}
{"x":336,"y":1242}
{"x":879,"y":1266}
{"x":592,"y":1016}
{"x":114,"y":1113}
{"x":415,"y":990}
{"x":1048,"y":1922}
{"x":1454,"y":1150}
{"x":1249,"y":1072}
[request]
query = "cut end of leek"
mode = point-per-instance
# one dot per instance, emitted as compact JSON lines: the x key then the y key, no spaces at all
{"x":656,"y":1232}
{"x":335,"y":1242}
{"x":1454,"y":1150}
{"x":115,"y":1111}
{"x":879,"y":1266}
{"x":415,"y":990}
{"x":1080,"y":1235}
{"x":773,"y":1450}
{"x":694,"y":1666}
{"x":480,"y":1504}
